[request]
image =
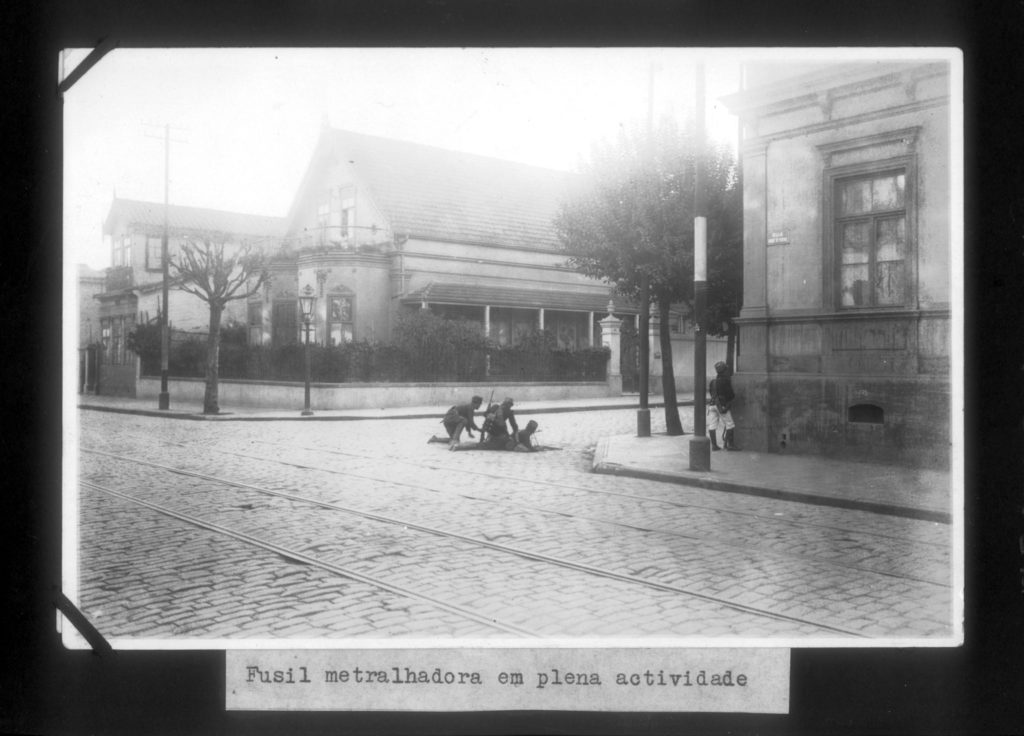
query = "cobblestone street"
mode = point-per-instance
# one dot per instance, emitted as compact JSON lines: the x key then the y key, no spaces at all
{"x":361,"y":529}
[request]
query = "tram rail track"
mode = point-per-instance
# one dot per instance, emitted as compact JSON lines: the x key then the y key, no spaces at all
{"x":451,"y":535}
{"x":311,"y":560}
{"x":702,"y":538}
{"x":568,"y":486}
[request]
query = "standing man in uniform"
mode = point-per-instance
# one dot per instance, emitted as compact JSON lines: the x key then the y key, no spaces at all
{"x":719,"y":413}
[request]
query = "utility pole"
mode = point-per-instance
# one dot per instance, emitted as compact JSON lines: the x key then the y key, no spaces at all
{"x":164,"y":398}
{"x":643,"y":414}
{"x":164,"y":401}
{"x":700,"y":445}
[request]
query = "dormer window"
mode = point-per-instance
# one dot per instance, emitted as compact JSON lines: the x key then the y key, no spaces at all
{"x":122,"y":255}
{"x":335,"y":215}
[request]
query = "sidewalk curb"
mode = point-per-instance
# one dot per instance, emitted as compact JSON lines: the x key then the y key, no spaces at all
{"x":601,"y":465}
{"x":231,"y":417}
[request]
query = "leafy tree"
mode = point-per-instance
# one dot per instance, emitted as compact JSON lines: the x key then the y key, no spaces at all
{"x":217,"y":271}
{"x":630,"y":223}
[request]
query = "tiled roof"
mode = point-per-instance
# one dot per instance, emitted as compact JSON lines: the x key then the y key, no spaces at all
{"x":182,"y":218}
{"x":440,"y":194}
{"x":505,"y":296}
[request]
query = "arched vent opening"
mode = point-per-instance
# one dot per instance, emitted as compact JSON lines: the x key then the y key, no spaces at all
{"x":865,"y":414}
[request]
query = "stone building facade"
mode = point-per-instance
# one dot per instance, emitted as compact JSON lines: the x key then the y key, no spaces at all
{"x":845,"y":331}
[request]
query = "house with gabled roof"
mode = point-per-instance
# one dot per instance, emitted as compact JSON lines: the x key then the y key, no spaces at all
{"x":376,"y":227}
{"x":379,"y":225}
{"x":131,"y":294}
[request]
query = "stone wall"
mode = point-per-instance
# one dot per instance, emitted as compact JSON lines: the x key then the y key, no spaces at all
{"x":120,"y":380}
{"x":324,"y":397}
{"x":900,"y":420}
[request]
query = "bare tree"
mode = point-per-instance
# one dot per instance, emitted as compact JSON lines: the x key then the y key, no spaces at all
{"x":217,"y":271}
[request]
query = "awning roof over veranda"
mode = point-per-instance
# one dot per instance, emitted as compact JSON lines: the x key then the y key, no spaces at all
{"x":515,"y":297}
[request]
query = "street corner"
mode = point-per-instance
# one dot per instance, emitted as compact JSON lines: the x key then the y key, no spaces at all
{"x":599,"y":462}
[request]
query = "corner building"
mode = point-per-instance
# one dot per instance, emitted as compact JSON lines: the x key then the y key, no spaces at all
{"x":844,"y":334}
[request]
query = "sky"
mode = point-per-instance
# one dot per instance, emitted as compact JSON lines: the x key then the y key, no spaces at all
{"x":243,"y":122}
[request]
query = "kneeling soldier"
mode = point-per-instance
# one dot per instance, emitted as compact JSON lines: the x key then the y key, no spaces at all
{"x":460,"y":417}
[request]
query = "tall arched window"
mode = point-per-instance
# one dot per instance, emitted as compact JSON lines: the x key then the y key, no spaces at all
{"x":340,"y":322}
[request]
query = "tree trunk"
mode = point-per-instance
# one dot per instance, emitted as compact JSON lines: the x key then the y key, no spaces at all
{"x":210,"y":404}
{"x":673,"y":424}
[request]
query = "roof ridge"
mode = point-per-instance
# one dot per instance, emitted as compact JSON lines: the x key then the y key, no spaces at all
{"x":339,"y":133}
{"x":195,"y":208}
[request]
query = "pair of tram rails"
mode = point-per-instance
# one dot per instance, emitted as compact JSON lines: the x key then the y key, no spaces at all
{"x":488,"y":620}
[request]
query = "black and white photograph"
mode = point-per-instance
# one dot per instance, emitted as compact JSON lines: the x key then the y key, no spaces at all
{"x":514,"y":347}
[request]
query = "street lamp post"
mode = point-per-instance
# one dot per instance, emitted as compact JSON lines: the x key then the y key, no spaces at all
{"x":306,"y":302}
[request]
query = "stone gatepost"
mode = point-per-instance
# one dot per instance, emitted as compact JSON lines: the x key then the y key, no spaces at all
{"x":611,"y":338}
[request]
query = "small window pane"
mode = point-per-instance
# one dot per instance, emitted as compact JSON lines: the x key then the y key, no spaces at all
{"x":887,"y":192}
{"x":890,"y":239}
{"x":341,"y":309}
{"x":154,"y":252}
{"x":889,"y":283}
{"x":855,"y":286}
{"x":855,"y":238}
{"x":335,"y":216}
{"x":340,"y":333}
{"x":855,"y":197}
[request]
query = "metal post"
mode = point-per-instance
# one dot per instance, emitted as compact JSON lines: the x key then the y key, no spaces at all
{"x":700,"y":445}
{"x":164,"y":399}
{"x":306,"y":411}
